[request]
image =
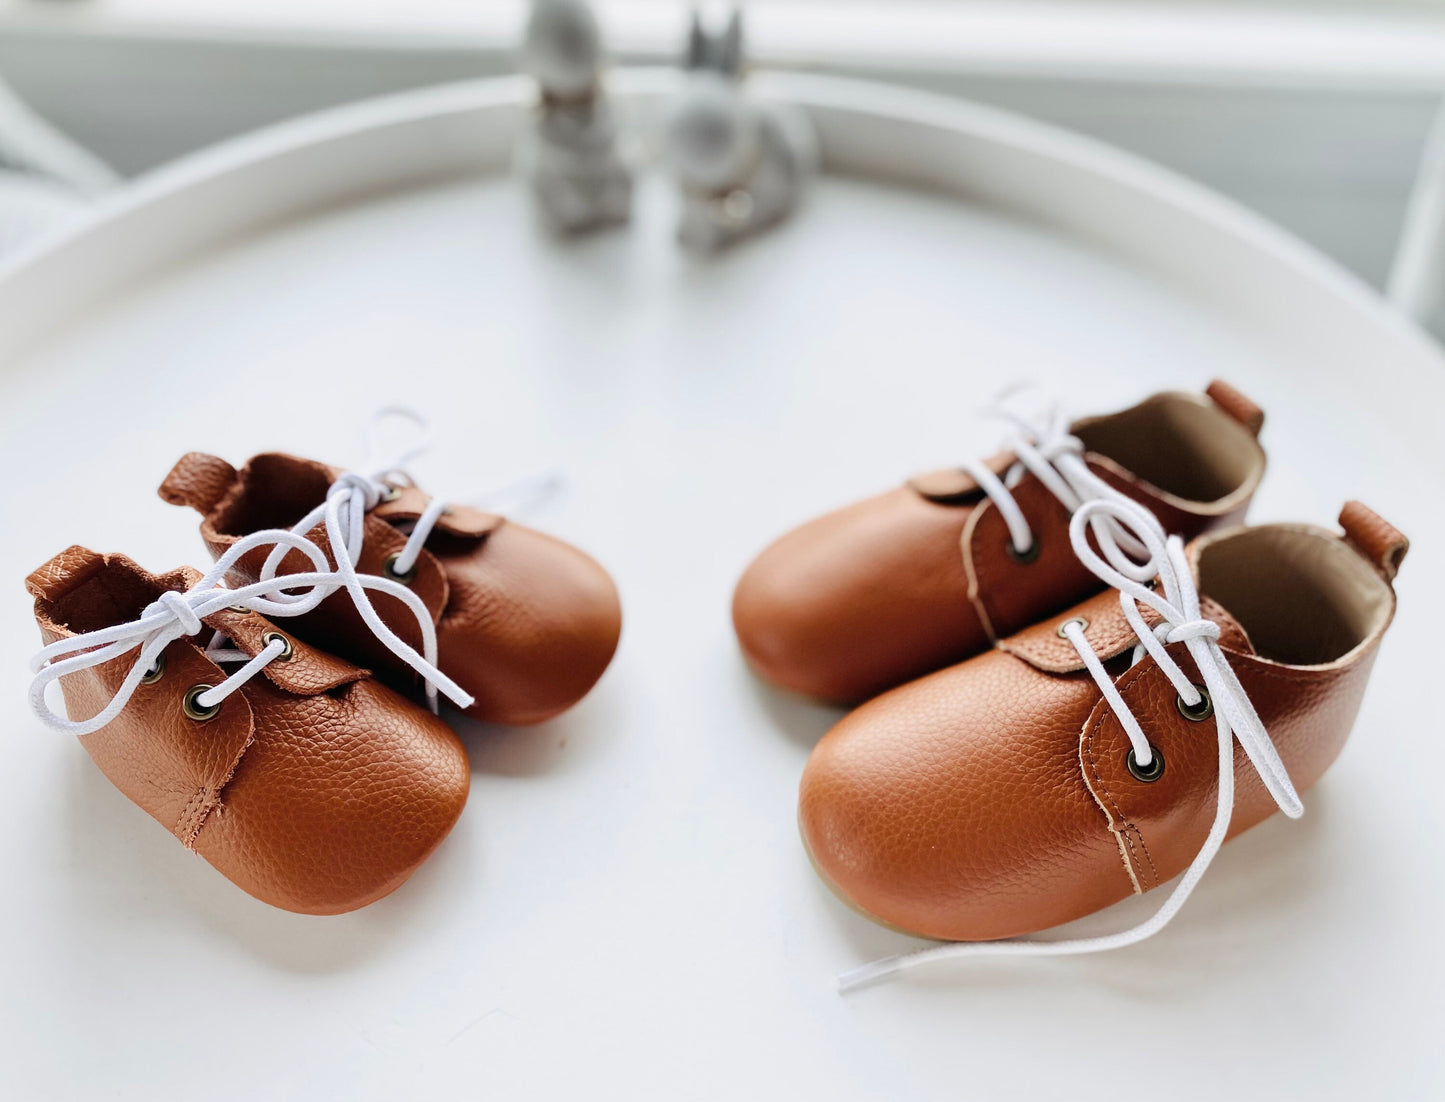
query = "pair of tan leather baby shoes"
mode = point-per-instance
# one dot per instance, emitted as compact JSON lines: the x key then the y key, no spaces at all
{"x":1068,"y":639}
{"x":272,"y":713}
{"x":1054,"y":633}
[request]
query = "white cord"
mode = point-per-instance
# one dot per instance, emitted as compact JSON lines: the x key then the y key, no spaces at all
{"x":1177,"y":601}
{"x":343,"y":513}
{"x":521,"y":495}
{"x":174,"y":615}
{"x":1043,"y":446}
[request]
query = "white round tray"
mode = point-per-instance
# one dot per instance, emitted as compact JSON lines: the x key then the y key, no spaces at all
{"x":624,"y":910}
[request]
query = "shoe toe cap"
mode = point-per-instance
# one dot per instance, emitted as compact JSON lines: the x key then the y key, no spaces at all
{"x":338,"y":800}
{"x":858,"y":601}
{"x":955,"y":808}
{"x":533,"y":623}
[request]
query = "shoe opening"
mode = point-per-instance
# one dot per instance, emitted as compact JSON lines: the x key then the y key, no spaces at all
{"x":115,"y":594}
{"x":1303,"y":596}
{"x":1178,"y":444}
{"x":276,"y":492}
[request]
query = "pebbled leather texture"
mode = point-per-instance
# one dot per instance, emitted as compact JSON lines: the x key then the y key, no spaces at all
{"x":525,"y":623}
{"x":993,"y":799}
{"x":888,"y":589}
{"x":315,"y":788}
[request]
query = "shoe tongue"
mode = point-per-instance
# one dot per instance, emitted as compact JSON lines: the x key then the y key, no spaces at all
{"x":955,"y":486}
{"x":1108,"y":632}
{"x":409,"y":502}
{"x":307,"y":672}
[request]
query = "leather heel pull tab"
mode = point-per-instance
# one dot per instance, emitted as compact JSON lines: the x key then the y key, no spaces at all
{"x":63,"y":573}
{"x":198,"y":480}
{"x":1236,"y":405}
{"x":1375,"y":538}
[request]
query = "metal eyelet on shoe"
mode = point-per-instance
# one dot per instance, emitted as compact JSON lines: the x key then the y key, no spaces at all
{"x":1026,"y":556}
{"x":288,"y":652}
{"x":389,"y":569}
{"x":391,"y":494}
{"x":1081,"y":621}
{"x":238,"y":608}
{"x":195,"y":710}
{"x":1199,"y":712}
{"x":156,"y":672}
{"x":1146,"y":773}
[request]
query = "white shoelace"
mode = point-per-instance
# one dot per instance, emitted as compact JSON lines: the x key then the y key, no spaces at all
{"x":174,"y":615}
{"x":1177,"y":601}
{"x":1043,"y":446}
{"x":343,"y":513}
{"x":351,"y":497}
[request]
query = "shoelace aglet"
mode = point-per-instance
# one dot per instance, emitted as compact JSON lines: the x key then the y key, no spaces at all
{"x":453,"y":692}
{"x":866,"y":975}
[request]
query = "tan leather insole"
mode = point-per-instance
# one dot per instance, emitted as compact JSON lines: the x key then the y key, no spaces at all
{"x":1303,"y":596}
{"x":1185,"y":448}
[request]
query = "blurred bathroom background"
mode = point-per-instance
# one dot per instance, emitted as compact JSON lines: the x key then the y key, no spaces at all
{"x":1318,"y":114}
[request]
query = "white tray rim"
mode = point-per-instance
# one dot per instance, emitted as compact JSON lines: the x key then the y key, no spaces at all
{"x":1181,"y":228}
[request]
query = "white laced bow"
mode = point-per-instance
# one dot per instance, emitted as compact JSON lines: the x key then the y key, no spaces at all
{"x":1177,"y":601}
{"x":1044,"y":446}
{"x":354,"y":494}
{"x":343,"y":513}
{"x":175,"y":615}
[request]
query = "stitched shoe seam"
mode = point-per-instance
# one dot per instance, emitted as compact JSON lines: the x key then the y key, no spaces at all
{"x":1127,"y":829}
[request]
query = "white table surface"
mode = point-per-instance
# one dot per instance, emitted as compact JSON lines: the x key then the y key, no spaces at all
{"x":624,"y":910}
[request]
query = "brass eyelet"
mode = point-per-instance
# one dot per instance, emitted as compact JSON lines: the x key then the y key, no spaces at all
{"x":1027,"y":555}
{"x":196,"y":711}
{"x":238,"y":608}
{"x":391,"y":494}
{"x":389,"y":569}
{"x":1201,"y":711}
{"x":1146,"y":773}
{"x":1081,"y":621}
{"x":288,"y":652}
{"x":156,"y":672}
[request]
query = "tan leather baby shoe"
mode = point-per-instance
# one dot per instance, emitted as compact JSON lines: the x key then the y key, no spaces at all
{"x":910,"y":581}
{"x":1074,"y":765}
{"x":526,"y":624}
{"x":297,"y":775}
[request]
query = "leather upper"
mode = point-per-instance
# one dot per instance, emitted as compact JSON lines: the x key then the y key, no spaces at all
{"x":993,"y":798}
{"x":525,"y":623}
{"x":904,"y":583}
{"x":315,"y":788}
